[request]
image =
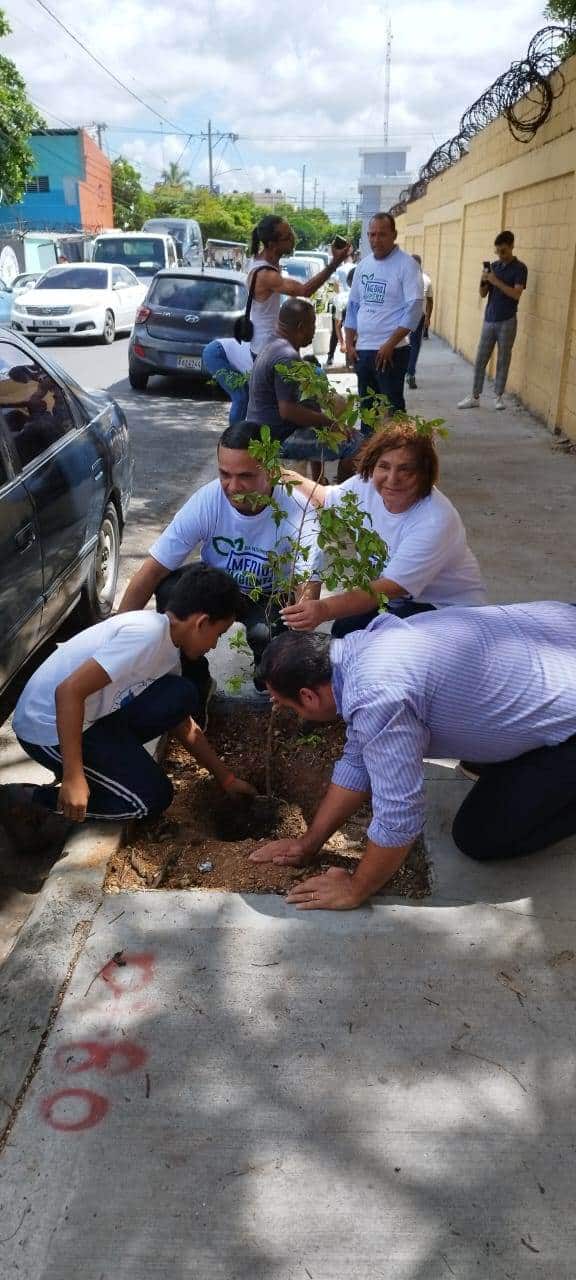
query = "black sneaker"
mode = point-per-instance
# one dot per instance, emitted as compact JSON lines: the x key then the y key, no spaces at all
{"x":259,"y":685}
{"x":412,"y":382}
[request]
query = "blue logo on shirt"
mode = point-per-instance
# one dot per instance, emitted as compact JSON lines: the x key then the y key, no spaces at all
{"x":374,"y":290}
{"x":245,"y":563}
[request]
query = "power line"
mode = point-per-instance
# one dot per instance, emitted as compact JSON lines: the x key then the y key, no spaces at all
{"x":103,"y":66}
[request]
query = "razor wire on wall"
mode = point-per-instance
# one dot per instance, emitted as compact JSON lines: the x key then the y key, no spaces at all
{"x":528,"y":82}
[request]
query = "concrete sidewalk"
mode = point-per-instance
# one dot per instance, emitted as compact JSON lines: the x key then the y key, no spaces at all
{"x":204,"y":1086}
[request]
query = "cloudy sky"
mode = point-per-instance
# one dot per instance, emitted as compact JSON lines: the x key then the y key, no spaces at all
{"x":301,"y":83}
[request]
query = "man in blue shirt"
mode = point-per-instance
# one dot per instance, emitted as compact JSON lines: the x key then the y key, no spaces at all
{"x":495,"y":684}
{"x":503,"y":285}
{"x":385,"y":304}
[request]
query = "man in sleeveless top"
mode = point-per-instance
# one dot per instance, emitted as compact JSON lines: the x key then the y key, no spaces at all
{"x":272,"y":239}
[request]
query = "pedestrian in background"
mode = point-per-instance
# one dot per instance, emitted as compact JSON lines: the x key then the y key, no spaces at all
{"x":503,"y":283}
{"x":224,"y":359}
{"x":421,"y":330}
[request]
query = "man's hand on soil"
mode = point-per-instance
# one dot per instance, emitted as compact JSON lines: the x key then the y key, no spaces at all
{"x":285,"y":853}
{"x":333,"y":891}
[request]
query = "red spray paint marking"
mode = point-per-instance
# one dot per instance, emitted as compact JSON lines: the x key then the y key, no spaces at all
{"x":96,"y":1108}
{"x":115,"y":1056}
{"x":123,"y":982}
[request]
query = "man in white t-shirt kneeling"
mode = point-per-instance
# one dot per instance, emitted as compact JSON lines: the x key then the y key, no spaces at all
{"x":235,"y":532}
{"x":88,"y":711}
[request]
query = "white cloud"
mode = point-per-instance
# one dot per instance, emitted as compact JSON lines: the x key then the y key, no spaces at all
{"x":300,"y":83}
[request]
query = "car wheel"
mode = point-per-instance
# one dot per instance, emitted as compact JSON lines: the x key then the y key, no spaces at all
{"x":100,"y":587}
{"x":138,"y":381}
{"x":109,"y":333}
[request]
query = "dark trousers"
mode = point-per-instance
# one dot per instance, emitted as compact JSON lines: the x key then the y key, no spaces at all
{"x":124,"y":780}
{"x":521,"y":805}
{"x":388,"y":381}
{"x":359,"y":621}
{"x":261,"y":618}
{"x":415,"y":344}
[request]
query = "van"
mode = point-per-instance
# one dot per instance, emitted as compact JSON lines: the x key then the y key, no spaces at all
{"x":187,"y":235}
{"x":141,"y":252}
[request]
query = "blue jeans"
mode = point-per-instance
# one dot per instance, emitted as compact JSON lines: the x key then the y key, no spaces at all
{"x":125,"y":781}
{"x":304,"y":446}
{"x":388,"y":381}
{"x":216,"y":363}
{"x":415,"y":344}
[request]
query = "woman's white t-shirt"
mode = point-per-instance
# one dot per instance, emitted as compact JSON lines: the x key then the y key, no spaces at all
{"x":238,"y":543}
{"x":429,"y":555}
{"x":134,"y":649}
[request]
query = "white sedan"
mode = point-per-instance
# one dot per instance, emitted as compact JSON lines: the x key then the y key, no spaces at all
{"x":79,"y":300}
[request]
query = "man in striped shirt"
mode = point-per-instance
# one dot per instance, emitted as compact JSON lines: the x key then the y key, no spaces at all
{"x":496,"y":684}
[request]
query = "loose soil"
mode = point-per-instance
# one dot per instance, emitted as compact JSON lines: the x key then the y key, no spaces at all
{"x":204,"y":826}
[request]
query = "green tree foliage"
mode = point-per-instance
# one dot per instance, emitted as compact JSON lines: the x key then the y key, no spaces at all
{"x":174,"y":176}
{"x":132,"y":205}
{"x":564,"y":11}
{"x":17,"y":120}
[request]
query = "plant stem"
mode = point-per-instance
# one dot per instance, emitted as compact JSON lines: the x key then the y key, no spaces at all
{"x":269,"y":748}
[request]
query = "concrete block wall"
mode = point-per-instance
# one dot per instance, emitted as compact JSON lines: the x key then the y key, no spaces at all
{"x":530,"y":188}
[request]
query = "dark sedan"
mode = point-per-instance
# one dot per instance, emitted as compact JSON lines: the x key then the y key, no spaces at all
{"x":65,"y":485}
{"x":182,"y":312}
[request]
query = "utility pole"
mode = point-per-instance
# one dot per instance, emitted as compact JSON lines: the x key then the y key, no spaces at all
{"x":100,"y":128}
{"x":387,"y":80}
{"x":210,"y":160}
{"x":346,"y":212}
{"x":302,"y":198}
{"x":315,"y":193}
{"x":324,"y":201}
{"x":211,"y":138}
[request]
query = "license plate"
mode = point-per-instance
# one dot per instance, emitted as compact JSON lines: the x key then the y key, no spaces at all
{"x":189,"y":362}
{"x":45,"y":324}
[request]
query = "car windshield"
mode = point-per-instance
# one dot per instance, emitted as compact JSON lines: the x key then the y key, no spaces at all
{"x":299,"y":269}
{"x":198,"y":295}
{"x":174,"y":229}
{"x":75,"y":278}
{"x":141,"y":256}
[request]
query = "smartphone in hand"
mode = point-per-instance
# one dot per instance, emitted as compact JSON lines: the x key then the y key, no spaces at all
{"x":487,"y":266}
{"x":339,"y":242}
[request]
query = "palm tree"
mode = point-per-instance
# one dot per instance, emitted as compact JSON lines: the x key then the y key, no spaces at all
{"x":173,"y":176}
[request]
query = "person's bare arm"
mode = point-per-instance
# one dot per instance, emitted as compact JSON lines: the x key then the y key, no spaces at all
{"x":308,"y":488}
{"x":301,"y":415}
{"x":514,"y":291}
{"x":337,"y":804}
{"x":429,"y":309}
{"x":385,"y":353}
{"x":142,"y":585}
{"x":70,"y":697}
{"x":190,"y":735}
{"x":336,"y":890}
{"x":307,"y":614}
{"x":273,"y":282}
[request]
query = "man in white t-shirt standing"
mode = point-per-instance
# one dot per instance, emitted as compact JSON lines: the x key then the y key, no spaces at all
{"x":88,"y":711}
{"x":386,"y":303}
{"x":236,"y":533}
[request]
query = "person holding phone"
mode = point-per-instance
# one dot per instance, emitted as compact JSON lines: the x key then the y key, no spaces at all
{"x":503,"y":283}
{"x":272,"y":239}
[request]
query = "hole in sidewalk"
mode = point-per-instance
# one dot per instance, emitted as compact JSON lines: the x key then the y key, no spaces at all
{"x":204,"y":839}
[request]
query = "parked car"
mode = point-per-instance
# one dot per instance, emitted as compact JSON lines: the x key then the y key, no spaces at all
{"x":186,"y":234}
{"x":25,"y":280}
{"x":318,"y":256}
{"x":139,"y":251}
{"x":65,"y":485}
{"x":6,"y":301}
{"x":81,"y":301}
{"x":183,"y":311}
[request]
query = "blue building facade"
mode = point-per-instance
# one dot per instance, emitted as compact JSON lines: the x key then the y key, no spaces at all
{"x":69,"y":188}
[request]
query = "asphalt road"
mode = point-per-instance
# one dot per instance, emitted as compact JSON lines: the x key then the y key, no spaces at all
{"x":174,"y":426}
